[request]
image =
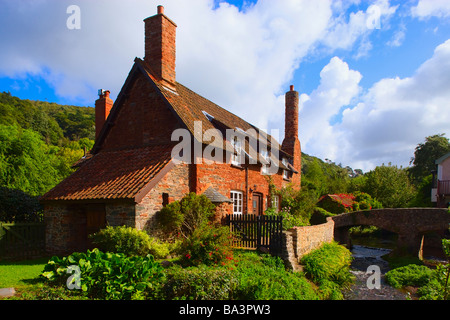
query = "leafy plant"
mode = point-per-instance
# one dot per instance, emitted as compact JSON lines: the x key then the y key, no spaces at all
{"x":109,"y":275}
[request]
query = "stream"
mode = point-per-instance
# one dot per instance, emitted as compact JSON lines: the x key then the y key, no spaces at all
{"x":363,"y":257}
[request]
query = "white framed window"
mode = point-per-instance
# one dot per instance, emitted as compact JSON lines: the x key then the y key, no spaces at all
{"x":265,"y":160}
{"x":237,"y":197}
{"x":237,"y":151}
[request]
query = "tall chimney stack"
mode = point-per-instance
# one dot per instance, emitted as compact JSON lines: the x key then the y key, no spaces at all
{"x":291,"y":143}
{"x":103,"y":107}
{"x":160,"y":47}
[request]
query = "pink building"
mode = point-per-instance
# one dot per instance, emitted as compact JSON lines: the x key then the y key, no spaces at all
{"x":441,"y":191}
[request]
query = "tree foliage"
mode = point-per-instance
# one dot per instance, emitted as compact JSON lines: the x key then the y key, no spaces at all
{"x":39,"y":143}
{"x":426,"y":154}
{"x":391,"y":185}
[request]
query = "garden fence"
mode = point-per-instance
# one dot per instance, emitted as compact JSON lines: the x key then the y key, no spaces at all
{"x":22,"y":240}
{"x":256,"y":232}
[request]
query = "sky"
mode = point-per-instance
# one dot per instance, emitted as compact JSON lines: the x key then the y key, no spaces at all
{"x":373,"y":76}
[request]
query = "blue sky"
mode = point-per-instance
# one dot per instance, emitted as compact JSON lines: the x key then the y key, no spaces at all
{"x":374,"y":76}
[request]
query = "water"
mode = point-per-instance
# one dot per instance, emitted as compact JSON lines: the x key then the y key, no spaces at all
{"x":363,"y":257}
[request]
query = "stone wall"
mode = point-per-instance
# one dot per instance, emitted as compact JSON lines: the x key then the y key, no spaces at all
{"x":299,"y":241}
{"x":175,"y":184}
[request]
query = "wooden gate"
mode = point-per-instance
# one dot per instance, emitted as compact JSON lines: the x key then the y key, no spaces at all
{"x":22,"y":240}
{"x":255,"y":232}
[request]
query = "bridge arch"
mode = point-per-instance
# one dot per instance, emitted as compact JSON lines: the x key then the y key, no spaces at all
{"x":411,"y":224}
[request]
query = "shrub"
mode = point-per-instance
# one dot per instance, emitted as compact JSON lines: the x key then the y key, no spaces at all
{"x":109,"y":275}
{"x":199,"y":283}
{"x":131,"y":242}
{"x":438,"y":287}
{"x":186,"y":215}
{"x":289,"y":220}
{"x":364,"y":201}
{"x":329,"y":266}
{"x":209,"y":245}
{"x":320,"y":216}
{"x":263,"y":277}
{"x":410,"y":275}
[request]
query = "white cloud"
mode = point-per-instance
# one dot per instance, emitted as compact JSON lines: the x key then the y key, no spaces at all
{"x":430,"y":8}
{"x":386,"y":122}
{"x":338,"y":87}
{"x":344,"y":32}
{"x":242,"y":60}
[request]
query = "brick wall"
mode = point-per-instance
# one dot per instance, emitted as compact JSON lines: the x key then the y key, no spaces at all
{"x":144,"y":119}
{"x":225,"y":178}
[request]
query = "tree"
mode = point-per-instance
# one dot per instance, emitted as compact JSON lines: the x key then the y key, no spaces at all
{"x":26,"y":162}
{"x":426,"y":154}
{"x":390,"y":185}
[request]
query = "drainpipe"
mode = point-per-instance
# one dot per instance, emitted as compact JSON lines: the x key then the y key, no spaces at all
{"x":246,"y":189}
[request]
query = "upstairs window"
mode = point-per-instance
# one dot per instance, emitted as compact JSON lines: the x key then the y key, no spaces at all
{"x":265,"y":157}
{"x":237,"y":151}
{"x":285,"y":172}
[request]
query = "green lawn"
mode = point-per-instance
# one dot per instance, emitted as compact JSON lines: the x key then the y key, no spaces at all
{"x":19,"y":273}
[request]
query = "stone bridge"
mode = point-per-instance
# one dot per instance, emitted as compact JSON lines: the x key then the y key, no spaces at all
{"x":410,"y":224}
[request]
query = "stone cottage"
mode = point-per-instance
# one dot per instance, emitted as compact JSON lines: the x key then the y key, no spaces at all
{"x":159,"y":141}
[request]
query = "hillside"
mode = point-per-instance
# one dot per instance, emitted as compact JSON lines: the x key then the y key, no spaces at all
{"x":57,"y":124}
{"x":39,"y":143}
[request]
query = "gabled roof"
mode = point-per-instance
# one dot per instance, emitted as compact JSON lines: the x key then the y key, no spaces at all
{"x":123,"y":174}
{"x":441,"y":159}
{"x":130,"y":174}
{"x":187,"y":106}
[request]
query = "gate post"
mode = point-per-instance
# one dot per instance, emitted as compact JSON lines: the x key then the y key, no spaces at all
{"x":258,"y":232}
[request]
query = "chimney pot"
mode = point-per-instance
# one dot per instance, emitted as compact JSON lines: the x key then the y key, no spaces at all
{"x":292,"y":87}
{"x":160,"y":10}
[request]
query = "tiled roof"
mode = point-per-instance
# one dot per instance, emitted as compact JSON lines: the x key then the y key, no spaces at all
{"x":190,"y":107}
{"x":113,"y":175}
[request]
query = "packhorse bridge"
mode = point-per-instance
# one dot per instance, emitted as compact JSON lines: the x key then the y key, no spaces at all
{"x":410,"y":224}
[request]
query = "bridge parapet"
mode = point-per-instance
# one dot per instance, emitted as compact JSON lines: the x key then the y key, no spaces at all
{"x":409,"y":223}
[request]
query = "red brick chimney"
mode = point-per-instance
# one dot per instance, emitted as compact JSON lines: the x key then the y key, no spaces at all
{"x":103,"y":106}
{"x":291,"y":143}
{"x":160,"y":47}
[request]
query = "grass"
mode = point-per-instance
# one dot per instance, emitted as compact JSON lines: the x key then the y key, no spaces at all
{"x":20,"y":273}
